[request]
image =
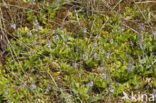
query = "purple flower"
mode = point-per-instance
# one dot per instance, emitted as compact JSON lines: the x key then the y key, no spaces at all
{"x":91,"y":83}
{"x":114,"y":30}
{"x":107,"y":55}
{"x":37,"y":26}
{"x":9,"y":101}
{"x":6,"y":92}
{"x":95,"y":45}
{"x":111,"y":88}
{"x":32,"y":2}
{"x":121,"y":30}
{"x":85,"y":57}
{"x":29,"y":33}
{"x":100,"y":68}
{"x":85,"y":30}
{"x":13,"y":25}
{"x":96,"y":57}
{"x":154,"y":32}
{"x":130,"y":68}
{"x":65,"y":39}
{"x":22,"y":86}
{"x":49,"y":45}
{"x":141,"y":42}
{"x":36,"y":23}
{"x":48,"y":88}
{"x":32,"y":87}
{"x":102,"y":51}
{"x":103,"y":76}
{"x":75,"y":65}
{"x":111,"y":41}
{"x":56,"y":38}
{"x":142,"y":27}
{"x":76,"y":49}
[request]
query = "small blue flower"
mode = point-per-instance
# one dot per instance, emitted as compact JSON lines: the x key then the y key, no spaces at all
{"x":121,"y":30}
{"x":130,"y":68}
{"x":76,"y":49}
{"x":154,"y":32}
{"x":111,"y":88}
{"x":114,"y":30}
{"x":6,"y":92}
{"x":96,"y":57}
{"x":13,"y":25}
{"x":32,"y":2}
{"x":102,"y":51}
{"x":95,"y":45}
{"x":22,"y":86}
{"x":48,"y":88}
{"x":49,"y":45}
{"x":29,"y":33}
{"x":56,"y":38}
{"x":100,"y":68}
{"x":141,"y":42}
{"x":107,"y":55}
{"x":65,"y":39}
{"x":36,"y":23}
{"x":111,"y":41}
{"x":9,"y":101}
{"x":91,"y":83}
{"x":32,"y":87}
{"x":103,"y":76}
{"x":85,"y":30}
{"x":85,"y":57}
{"x":142,"y":27}
{"x":75,"y":65}
{"x":37,"y":28}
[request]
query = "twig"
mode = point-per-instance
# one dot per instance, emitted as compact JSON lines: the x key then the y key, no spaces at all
{"x":53,"y":79}
{"x":143,"y":2}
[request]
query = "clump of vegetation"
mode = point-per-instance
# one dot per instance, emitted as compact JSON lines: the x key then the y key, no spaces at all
{"x":76,"y":51}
